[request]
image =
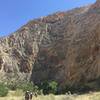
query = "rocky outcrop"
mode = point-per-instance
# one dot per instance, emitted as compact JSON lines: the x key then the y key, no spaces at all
{"x":64,"y":47}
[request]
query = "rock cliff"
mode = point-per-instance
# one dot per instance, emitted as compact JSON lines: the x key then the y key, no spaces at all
{"x":64,"y":47}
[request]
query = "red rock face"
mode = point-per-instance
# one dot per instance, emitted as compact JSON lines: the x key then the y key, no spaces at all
{"x":64,"y":47}
{"x":73,"y":55}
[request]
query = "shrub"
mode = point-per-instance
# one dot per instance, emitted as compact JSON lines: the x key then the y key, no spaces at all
{"x":49,"y":87}
{"x":3,"y":90}
{"x":23,"y":85}
{"x":28,"y":87}
{"x":53,"y":87}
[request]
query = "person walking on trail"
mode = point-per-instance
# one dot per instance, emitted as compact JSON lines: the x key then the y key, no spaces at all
{"x":27,"y":95}
{"x":31,"y":95}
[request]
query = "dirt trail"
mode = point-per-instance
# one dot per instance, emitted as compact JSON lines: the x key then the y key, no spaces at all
{"x":90,"y":96}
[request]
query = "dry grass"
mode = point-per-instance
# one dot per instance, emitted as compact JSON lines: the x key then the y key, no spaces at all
{"x":20,"y":96}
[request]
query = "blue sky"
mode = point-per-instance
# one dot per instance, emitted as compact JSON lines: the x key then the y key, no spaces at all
{"x":15,"y":13}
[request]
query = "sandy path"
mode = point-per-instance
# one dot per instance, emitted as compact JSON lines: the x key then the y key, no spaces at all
{"x":92,"y":96}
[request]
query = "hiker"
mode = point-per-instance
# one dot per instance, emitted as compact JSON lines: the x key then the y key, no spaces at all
{"x":31,"y":95}
{"x":27,"y":95}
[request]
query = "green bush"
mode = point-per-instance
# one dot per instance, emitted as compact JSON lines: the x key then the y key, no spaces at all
{"x":28,"y":87}
{"x":3,"y":90}
{"x":49,"y":87}
{"x":25,"y":86}
{"x":53,"y":87}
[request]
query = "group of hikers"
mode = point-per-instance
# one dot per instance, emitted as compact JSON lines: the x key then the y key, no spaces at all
{"x":29,"y":95}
